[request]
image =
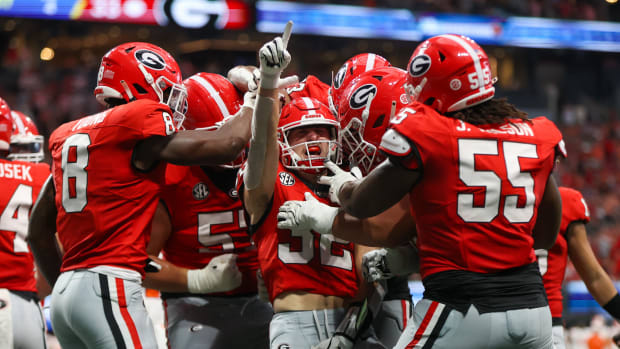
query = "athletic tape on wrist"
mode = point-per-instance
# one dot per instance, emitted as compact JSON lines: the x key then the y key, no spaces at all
{"x":613,"y":307}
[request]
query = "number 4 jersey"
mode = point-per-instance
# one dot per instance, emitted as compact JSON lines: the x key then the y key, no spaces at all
{"x":476,"y":202}
{"x":105,"y":205}
{"x":21,"y":183}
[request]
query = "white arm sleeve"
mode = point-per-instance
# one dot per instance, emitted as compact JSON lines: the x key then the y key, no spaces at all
{"x":261,"y":119}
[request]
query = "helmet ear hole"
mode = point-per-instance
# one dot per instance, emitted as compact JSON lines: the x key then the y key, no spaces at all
{"x":379,"y":121}
{"x":140,"y":89}
{"x":114,"y":102}
{"x":442,"y":57}
{"x":429,"y":101}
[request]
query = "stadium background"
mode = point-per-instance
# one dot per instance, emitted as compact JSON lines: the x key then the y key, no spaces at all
{"x":566,"y":68}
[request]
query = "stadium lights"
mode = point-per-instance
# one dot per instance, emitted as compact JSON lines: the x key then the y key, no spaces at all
{"x":47,"y":54}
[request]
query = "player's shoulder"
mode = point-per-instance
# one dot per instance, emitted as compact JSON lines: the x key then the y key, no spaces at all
{"x":415,"y":118}
{"x":570,"y":194}
{"x":574,"y":206}
{"x":543,"y":127}
{"x":136,"y":112}
{"x":315,"y":81}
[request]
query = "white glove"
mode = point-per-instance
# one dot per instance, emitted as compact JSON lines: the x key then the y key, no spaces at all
{"x":274,"y":58}
{"x":244,"y":78}
{"x":385,"y":263}
{"x":249,"y":99}
{"x":339,"y":178}
{"x":220,"y":275}
{"x":307,"y":215}
{"x":337,"y":341}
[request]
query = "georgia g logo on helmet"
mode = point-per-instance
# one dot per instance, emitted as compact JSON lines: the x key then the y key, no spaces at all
{"x":419,"y":65}
{"x":150,"y":59}
{"x":340,"y":75}
{"x":359,"y":98}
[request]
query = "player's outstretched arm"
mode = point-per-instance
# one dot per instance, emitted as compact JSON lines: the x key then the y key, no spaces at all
{"x":197,"y":147}
{"x":549,"y":219}
{"x":592,"y":273}
{"x":261,"y":168}
{"x":42,"y":234}
{"x":393,"y":227}
{"x":381,"y":189}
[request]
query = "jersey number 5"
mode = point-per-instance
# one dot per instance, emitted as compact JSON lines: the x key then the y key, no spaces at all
{"x":74,"y":176}
{"x":513,"y":151}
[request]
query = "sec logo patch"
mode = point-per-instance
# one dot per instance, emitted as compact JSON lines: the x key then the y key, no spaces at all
{"x":286,"y":179}
{"x":200,"y":191}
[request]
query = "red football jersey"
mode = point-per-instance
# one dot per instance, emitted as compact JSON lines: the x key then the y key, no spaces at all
{"x":105,"y":206}
{"x":301,"y":260}
{"x":311,"y":86}
{"x":574,"y":209}
{"x":21,"y":183}
{"x":475,"y":204}
{"x":207,"y":221}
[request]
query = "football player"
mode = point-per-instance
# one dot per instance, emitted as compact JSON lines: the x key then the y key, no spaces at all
{"x":309,"y":276}
{"x":366,"y":106}
{"x":199,"y":218}
{"x":478,"y":173}
{"x":572,"y":242}
{"x":108,"y":169}
{"x":21,"y":178}
{"x":352,"y":68}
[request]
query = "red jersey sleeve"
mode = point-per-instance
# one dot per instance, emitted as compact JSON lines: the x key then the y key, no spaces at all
{"x":574,"y":208}
{"x":312,"y":87}
{"x":157,"y":120}
{"x":397,"y":142}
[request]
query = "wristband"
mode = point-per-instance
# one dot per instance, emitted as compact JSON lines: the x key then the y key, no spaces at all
{"x":613,"y":307}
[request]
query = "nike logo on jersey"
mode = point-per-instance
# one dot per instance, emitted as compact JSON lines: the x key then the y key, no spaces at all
{"x":17,"y":171}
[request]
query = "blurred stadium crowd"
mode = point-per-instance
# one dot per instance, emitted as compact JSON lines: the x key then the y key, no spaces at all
{"x":581,"y":9}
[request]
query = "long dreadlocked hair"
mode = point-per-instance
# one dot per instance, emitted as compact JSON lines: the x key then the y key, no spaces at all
{"x":493,"y":111}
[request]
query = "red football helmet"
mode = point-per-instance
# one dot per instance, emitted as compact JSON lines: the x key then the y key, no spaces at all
{"x":366,"y":107}
{"x":138,"y":70}
{"x":211,"y":98}
{"x":351,"y":69}
{"x":449,"y":73}
{"x":307,"y":112}
{"x":6,"y":125}
{"x":26,"y":142}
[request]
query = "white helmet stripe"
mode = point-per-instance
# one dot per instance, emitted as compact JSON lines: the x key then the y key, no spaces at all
{"x":472,"y":53}
{"x":310,"y":105}
{"x":214,"y":94}
{"x":18,"y":121}
{"x":370,"y":62}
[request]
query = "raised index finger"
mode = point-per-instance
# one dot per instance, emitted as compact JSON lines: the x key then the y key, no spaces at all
{"x":287,"y":33}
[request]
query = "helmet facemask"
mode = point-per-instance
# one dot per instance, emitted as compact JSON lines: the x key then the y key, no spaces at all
{"x":26,"y":147}
{"x":313,"y":163}
{"x":172,"y":94}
